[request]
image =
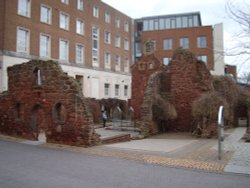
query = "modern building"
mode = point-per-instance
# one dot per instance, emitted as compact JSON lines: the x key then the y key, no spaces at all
{"x":96,"y":44}
{"x":169,"y":32}
{"x":91,"y":40}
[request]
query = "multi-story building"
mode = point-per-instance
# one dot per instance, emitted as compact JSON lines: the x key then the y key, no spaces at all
{"x":95,"y":43}
{"x":169,"y":32}
{"x":91,"y":40}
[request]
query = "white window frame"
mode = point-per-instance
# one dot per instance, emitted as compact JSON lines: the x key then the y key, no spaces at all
{"x":95,"y":11}
{"x":117,"y":90}
{"x":106,"y":89}
{"x":80,"y":26}
{"x":126,"y":44}
{"x":107,"y":17}
{"x":80,"y":5}
{"x":126,"y":65}
{"x":48,"y":17}
{"x":117,"y":41}
{"x":126,"y":26}
{"x":79,"y":48}
{"x":125,"y":90}
{"x":117,"y":22}
{"x":107,"y":60}
{"x":203,"y":58}
{"x":184,"y":42}
{"x":47,"y":46}
{"x":24,"y":10}
{"x":166,"y":60}
{"x":23,"y":48}
{"x":117,"y":63}
{"x":64,"y":25}
{"x":66,"y":52}
{"x":201,"y":41}
{"x":95,"y":50}
{"x":107,"y":37}
{"x":168,"y":44}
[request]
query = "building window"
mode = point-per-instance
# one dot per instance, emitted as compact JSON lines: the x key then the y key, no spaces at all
{"x":107,"y":37}
{"x":65,"y":1}
{"x":107,"y":60}
{"x":117,"y":41}
{"x":23,"y":40}
{"x":64,"y":50}
{"x":117,"y":63}
{"x":126,"y":65}
{"x":202,"y":58}
{"x":126,"y":27}
{"x":106,"y":89}
{"x":107,"y":17}
{"x":95,"y":12}
{"x":45,"y":16}
{"x":80,"y":54}
{"x":117,"y":90}
{"x":168,"y":44}
{"x":24,"y":8}
{"x":184,"y":42}
{"x":125,"y":90}
{"x":166,"y":60}
{"x":138,"y":49}
{"x":64,"y":21}
{"x":44,"y":45}
{"x":95,"y":46}
{"x":173,"y":23}
{"x":202,"y":42}
{"x":161,"y":23}
{"x":80,"y":4}
{"x":184,"y":21}
{"x":79,"y":27}
{"x":117,"y":22}
{"x":126,"y":44}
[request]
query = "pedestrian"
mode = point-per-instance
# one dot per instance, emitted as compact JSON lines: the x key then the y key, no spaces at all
{"x":104,"y":118}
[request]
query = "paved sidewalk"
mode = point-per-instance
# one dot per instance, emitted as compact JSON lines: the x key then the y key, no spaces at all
{"x":240,"y":161}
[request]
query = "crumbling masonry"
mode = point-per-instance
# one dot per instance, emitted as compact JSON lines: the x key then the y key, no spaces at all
{"x":162,"y":96}
{"x":43,"y":98}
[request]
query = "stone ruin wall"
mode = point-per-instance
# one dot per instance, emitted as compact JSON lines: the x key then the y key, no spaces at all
{"x":185,"y":80}
{"x":42,"y":97}
{"x":141,"y":72}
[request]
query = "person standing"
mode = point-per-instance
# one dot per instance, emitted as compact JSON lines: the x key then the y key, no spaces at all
{"x":104,"y":118}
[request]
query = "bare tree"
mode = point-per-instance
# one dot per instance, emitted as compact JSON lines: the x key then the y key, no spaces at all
{"x":240,"y":14}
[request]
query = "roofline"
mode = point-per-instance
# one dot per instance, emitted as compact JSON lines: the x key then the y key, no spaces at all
{"x":171,"y":15}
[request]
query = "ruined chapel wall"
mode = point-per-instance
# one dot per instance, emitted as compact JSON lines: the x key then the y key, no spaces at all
{"x":52,"y":102}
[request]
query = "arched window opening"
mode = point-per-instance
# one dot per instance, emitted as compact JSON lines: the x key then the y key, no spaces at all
{"x":38,"y":77}
{"x":59,"y":113}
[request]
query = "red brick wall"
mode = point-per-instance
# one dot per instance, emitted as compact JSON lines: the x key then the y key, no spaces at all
{"x":2,"y":5}
{"x":13,"y":20}
{"x":176,"y":34}
{"x":140,"y":79}
{"x":189,"y":80}
{"x":186,"y":79}
{"x":56,"y":106}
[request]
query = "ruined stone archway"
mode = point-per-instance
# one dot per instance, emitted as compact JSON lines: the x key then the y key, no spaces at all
{"x":38,"y":123}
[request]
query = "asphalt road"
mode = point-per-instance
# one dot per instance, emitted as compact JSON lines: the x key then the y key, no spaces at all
{"x":28,"y":166}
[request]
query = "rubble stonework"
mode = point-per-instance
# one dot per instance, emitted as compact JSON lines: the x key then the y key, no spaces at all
{"x":141,"y":71}
{"x":167,"y":92}
{"x":43,"y":98}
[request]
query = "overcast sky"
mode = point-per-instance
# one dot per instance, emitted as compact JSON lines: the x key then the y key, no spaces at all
{"x":212,"y":12}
